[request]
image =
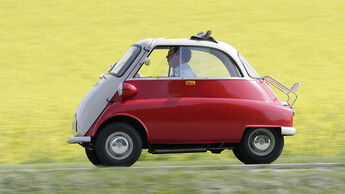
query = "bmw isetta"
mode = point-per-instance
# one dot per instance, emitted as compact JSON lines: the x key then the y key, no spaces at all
{"x":181,"y":96}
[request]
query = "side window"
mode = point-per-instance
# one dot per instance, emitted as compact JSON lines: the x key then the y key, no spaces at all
{"x":208,"y":62}
{"x":189,"y":62}
{"x":251,"y":71}
{"x":159,"y":66}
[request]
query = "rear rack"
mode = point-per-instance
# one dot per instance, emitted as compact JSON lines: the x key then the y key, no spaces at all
{"x":283,"y":88}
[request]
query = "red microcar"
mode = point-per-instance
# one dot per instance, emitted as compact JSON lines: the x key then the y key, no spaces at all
{"x":182,"y":96}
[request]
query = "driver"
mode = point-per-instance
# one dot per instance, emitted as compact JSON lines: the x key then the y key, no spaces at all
{"x":178,"y":58}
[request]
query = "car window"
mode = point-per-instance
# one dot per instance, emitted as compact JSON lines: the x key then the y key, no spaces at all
{"x":207,"y":62}
{"x":189,"y":62}
{"x":158,"y":64}
{"x":120,"y":67}
{"x":251,"y":71}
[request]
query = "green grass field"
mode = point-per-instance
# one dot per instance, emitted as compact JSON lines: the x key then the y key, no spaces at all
{"x":52,"y":52}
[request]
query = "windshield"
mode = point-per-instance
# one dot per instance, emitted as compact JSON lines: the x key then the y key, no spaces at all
{"x":251,"y":71}
{"x":120,"y":67}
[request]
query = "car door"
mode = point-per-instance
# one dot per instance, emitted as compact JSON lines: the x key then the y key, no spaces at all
{"x":94,"y":102}
{"x":189,"y":102}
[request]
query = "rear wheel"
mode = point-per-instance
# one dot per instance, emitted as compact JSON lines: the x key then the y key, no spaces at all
{"x":118,"y":144}
{"x":259,"y":146}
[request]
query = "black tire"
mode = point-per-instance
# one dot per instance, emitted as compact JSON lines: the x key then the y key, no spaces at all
{"x":118,"y":144}
{"x":236,"y":153}
{"x":92,"y":156}
{"x":259,"y":146}
{"x":216,"y":151}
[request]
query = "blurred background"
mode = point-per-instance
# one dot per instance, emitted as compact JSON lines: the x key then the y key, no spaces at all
{"x":52,"y":52}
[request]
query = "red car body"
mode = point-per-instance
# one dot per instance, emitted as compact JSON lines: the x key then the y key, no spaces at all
{"x":211,"y":111}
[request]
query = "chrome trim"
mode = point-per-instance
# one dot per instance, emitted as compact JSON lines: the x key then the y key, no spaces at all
{"x":120,"y":90}
{"x":288,"y":131}
{"x":78,"y":139}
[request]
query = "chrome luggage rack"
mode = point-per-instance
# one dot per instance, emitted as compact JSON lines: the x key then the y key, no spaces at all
{"x":284,"y":89}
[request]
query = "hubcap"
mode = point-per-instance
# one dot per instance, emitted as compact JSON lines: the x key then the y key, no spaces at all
{"x":261,"y":142}
{"x":119,"y":145}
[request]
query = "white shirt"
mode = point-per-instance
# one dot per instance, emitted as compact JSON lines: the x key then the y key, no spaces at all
{"x":183,"y":70}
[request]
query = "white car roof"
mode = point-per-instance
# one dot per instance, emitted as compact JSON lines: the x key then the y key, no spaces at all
{"x":154,"y":42}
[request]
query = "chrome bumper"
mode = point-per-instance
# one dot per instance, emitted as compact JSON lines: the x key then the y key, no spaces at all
{"x":83,"y":139}
{"x":288,"y":131}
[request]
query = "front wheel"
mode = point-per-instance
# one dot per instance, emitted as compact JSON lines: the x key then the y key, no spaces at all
{"x":118,"y":144}
{"x":259,"y":146}
{"x":92,"y":156}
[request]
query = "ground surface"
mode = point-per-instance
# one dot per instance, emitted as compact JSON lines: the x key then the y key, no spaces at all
{"x":167,"y":177}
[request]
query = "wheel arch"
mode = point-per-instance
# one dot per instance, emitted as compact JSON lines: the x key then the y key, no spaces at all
{"x":128,"y":119}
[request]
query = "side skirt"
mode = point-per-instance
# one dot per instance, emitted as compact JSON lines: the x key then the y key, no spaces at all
{"x":188,"y":148}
